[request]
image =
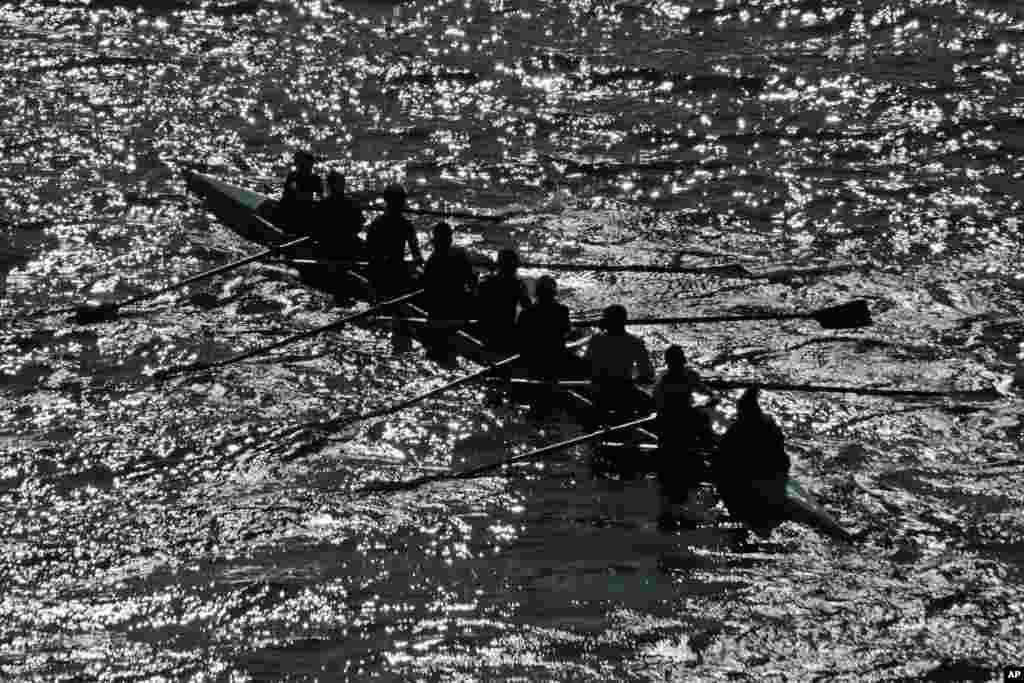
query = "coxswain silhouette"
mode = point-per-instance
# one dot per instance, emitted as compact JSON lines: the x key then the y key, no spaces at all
{"x":751,"y":467}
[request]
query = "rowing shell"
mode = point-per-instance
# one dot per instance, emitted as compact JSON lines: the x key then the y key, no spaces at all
{"x":244,"y":211}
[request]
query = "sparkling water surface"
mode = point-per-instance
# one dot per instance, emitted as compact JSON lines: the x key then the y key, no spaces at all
{"x":187,"y":530}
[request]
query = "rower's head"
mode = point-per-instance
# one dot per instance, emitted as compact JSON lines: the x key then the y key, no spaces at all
{"x":394,"y":197}
{"x":546,"y":289}
{"x":747,"y":406}
{"x":336,"y":183}
{"x":441,"y":237}
{"x":508,"y":262}
{"x":675,"y":357}
{"x":614,"y":319}
{"x":303,"y":161}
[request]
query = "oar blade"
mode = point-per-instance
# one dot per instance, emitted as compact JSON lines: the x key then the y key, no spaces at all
{"x":844,"y":316}
{"x":95,"y":313}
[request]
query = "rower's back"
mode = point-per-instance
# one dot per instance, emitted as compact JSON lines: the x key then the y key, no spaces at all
{"x":340,"y":221}
{"x":618,"y":361}
{"x":386,"y":240}
{"x":448,"y":277}
{"x":682,"y":426}
{"x":499,"y":299}
{"x":302,"y":187}
{"x":542,"y":330}
{"x":615,"y":355}
{"x":752,"y":467}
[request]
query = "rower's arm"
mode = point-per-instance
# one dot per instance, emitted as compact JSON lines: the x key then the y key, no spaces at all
{"x":524,"y":296}
{"x":414,"y":245}
{"x":659,"y":396}
{"x":645,"y":370}
{"x":566,"y":326}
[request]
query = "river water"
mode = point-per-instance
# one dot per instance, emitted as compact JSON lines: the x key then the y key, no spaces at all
{"x":167,"y":531}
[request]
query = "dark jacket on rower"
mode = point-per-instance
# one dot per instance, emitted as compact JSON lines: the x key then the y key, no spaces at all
{"x":752,"y":467}
{"x":386,"y":241}
{"x":681,"y":425}
{"x":448,"y":278}
{"x":499,"y":299}
{"x":340,"y":222}
{"x":302,"y":187}
{"x":684,"y":431}
{"x":542,"y":330}
{"x":618,"y":361}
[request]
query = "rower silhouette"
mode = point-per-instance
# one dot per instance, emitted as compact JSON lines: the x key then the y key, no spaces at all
{"x":386,"y":241}
{"x":542,"y":331}
{"x":500,"y":297}
{"x":449,"y":285}
{"x":302,"y":187}
{"x":618,"y":362}
{"x":340,"y":222}
{"x":684,"y":435}
{"x":751,"y":468}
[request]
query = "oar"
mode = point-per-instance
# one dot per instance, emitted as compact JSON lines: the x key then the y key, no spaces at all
{"x":194,"y":367}
{"x":482,"y":469}
{"x":851,"y":314}
{"x":435,"y":323}
{"x":979,"y":395}
{"x":98,"y":312}
{"x":725,"y":270}
{"x":341,"y":423}
{"x":963,"y":395}
{"x":496,"y":218}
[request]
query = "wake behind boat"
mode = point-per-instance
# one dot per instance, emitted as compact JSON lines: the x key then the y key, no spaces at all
{"x":244,"y":211}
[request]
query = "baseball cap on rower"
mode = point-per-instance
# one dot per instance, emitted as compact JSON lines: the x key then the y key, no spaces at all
{"x":613,"y":317}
